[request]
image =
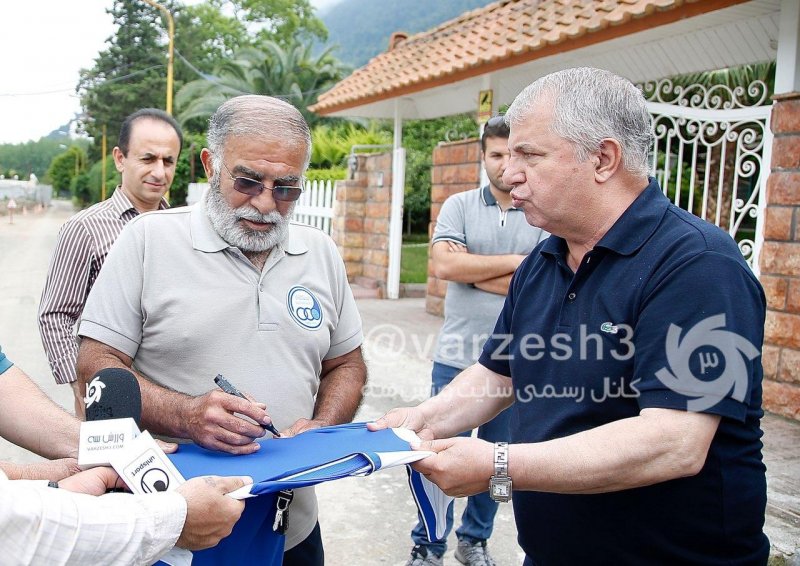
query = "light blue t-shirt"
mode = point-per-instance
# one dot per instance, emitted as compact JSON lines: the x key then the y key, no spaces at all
{"x":475,"y":220}
{"x":5,"y":363}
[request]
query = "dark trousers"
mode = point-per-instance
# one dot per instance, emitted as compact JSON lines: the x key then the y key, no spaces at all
{"x":307,"y":553}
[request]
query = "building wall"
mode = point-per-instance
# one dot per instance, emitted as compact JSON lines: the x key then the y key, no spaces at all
{"x":780,"y":262}
{"x":360,"y":224}
{"x":456,"y":168}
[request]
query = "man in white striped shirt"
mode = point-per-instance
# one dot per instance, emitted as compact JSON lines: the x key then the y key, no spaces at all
{"x":148,"y":148}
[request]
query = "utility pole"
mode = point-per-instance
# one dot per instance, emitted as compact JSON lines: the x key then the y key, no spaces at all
{"x":171,"y":35}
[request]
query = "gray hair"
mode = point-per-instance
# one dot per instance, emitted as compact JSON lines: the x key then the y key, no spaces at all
{"x":257,"y":116}
{"x":590,"y":105}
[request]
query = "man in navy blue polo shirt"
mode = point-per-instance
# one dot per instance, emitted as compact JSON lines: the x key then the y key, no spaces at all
{"x":628,"y":349}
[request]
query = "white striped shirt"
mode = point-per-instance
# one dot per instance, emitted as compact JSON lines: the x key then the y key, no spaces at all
{"x":83,"y":243}
{"x":41,"y":525}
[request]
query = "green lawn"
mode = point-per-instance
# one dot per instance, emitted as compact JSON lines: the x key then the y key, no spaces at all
{"x":414,"y":263}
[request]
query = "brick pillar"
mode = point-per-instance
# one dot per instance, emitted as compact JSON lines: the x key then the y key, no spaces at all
{"x":347,"y":224}
{"x":360,"y":225}
{"x":376,"y":220}
{"x":456,"y":168}
{"x":780,"y":262}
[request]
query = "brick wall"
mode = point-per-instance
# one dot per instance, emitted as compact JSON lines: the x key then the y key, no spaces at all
{"x":780,"y":262}
{"x":456,"y":168}
{"x":361,"y":220}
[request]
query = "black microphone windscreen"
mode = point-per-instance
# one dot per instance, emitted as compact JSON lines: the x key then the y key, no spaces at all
{"x":113,"y":393}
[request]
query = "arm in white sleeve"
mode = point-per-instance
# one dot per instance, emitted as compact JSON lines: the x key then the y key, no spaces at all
{"x":42,"y":525}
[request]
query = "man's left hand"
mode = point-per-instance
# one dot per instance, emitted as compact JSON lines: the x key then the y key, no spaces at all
{"x":301,"y":425}
{"x":460,"y":467}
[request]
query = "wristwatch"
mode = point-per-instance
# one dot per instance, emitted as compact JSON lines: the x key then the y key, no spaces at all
{"x":500,"y":483}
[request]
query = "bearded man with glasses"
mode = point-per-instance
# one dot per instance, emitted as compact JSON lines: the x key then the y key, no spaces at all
{"x":229,"y":286}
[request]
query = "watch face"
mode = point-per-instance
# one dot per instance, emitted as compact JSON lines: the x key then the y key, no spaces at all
{"x":500,"y":489}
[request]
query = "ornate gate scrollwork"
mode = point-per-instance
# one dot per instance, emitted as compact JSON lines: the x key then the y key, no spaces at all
{"x":710,"y":153}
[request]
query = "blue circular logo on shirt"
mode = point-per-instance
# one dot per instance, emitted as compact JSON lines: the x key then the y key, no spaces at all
{"x":304,"y":308}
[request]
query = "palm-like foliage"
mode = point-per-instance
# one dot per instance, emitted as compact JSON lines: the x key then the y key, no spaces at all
{"x":332,"y":143}
{"x":732,"y":78}
{"x":290,"y":73}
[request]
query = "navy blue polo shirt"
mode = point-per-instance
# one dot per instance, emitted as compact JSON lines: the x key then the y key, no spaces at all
{"x":663,"y":312}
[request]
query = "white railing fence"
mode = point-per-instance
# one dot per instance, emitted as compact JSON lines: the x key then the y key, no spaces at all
{"x":315,"y":206}
{"x":711,"y":154}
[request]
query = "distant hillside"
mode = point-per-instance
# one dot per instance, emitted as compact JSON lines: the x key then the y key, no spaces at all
{"x":361,"y":28}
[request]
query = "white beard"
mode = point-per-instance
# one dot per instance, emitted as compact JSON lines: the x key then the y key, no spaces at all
{"x":227,"y":222}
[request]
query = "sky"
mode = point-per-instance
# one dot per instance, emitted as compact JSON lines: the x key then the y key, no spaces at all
{"x":44,"y":44}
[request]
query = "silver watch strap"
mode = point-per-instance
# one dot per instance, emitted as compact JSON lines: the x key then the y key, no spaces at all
{"x":501,"y":459}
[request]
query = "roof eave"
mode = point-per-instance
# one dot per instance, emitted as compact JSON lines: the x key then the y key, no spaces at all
{"x":633,"y":24}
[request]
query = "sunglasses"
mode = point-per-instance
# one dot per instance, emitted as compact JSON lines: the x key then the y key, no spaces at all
{"x":253,"y":188}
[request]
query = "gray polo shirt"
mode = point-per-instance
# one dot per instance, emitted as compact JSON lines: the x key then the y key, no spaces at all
{"x":475,"y":220}
{"x":186,"y":306}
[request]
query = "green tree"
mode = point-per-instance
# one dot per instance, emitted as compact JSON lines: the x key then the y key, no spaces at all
{"x":65,"y":166}
{"x":130,"y":74}
{"x":285,"y":22}
{"x":419,"y":139}
{"x":91,"y":191}
{"x":192,"y":145}
{"x":80,"y":187}
{"x":204,"y":37}
{"x":332,"y":143}
{"x":32,"y":156}
{"x":291,"y":73}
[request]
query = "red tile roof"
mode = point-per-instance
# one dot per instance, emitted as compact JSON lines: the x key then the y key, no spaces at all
{"x":499,"y":35}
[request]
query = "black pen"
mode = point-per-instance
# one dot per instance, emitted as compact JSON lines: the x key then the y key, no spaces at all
{"x":228,"y":388}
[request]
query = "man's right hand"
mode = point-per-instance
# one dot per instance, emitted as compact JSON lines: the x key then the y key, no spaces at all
{"x":210,"y":514}
{"x":210,"y":422}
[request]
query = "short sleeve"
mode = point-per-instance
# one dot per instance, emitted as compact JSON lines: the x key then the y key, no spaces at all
{"x":450,"y":224}
{"x":496,"y":354}
{"x":698,"y":339}
{"x":113,"y":312}
{"x":348,"y":334}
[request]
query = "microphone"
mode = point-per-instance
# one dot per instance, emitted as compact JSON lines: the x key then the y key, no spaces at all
{"x":111,"y":435}
{"x":113,"y":393}
{"x":113,"y":412}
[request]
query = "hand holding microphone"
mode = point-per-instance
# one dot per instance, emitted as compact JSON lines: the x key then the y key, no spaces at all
{"x":111,"y":434}
{"x":113,"y":400}
{"x":113,"y":412}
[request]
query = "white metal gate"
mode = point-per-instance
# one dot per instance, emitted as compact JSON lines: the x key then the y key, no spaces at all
{"x":315,"y":206}
{"x":711,"y":154}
